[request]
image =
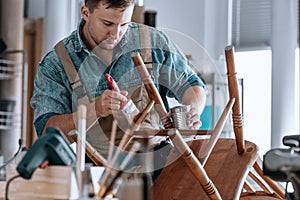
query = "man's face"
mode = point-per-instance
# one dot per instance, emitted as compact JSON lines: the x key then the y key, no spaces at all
{"x":106,"y":26}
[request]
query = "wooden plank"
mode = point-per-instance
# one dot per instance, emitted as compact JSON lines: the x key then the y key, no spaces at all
{"x":39,"y":38}
{"x":53,"y":182}
{"x":33,"y":46}
{"x":29,"y":38}
{"x":2,"y":189}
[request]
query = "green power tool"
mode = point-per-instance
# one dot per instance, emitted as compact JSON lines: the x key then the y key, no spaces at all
{"x":53,"y":146}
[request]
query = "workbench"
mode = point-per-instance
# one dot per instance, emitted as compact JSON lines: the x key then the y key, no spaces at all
{"x":53,"y":182}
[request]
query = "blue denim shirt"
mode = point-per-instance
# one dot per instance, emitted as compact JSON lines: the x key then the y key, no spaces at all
{"x":52,"y":91}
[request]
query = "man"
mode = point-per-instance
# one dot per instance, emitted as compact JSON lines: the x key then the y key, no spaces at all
{"x":103,"y":43}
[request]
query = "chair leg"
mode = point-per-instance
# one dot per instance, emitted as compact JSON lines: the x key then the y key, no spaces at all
{"x":260,"y":182}
{"x":194,"y":164}
{"x":233,"y":88}
{"x":249,"y":188}
{"x":270,"y":188}
{"x":276,"y":187}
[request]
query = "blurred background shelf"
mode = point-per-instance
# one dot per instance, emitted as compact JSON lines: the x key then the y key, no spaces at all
{"x":10,"y":69}
{"x":13,"y":99}
{"x":9,"y":120}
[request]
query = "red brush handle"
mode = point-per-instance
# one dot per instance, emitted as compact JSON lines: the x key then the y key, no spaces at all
{"x":112,"y":83}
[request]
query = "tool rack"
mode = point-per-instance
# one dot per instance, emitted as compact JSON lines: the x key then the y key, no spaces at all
{"x":13,"y":104}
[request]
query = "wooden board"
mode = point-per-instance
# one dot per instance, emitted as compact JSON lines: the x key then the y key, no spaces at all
{"x":53,"y":182}
{"x":2,"y":189}
{"x":33,"y":46}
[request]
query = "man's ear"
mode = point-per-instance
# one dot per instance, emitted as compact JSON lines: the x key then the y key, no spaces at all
{"x":85,"y":12}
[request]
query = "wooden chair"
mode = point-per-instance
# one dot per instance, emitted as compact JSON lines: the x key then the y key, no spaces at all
{"x":233,"y":165}
{"x":214,"y":168}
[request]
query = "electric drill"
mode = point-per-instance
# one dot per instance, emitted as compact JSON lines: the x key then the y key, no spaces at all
{"x":53,"y":146}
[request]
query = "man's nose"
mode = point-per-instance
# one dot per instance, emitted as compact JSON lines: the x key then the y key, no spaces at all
{"x":115,"y":30}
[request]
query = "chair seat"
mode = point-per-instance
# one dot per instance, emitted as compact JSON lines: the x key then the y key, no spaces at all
{"x":226,"y":169}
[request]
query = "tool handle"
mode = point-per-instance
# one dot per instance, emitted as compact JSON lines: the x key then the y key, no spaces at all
{"x":112,"y":83}
{"x":81,"y":124}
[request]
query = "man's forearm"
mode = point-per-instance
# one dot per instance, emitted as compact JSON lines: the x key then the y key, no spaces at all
{"x":68,"y":122}
{"x":64,"y":122}
{"x":196,"y":97}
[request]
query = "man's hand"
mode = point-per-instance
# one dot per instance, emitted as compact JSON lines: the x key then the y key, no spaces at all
{"x":108,"y":102}
{"x":195,"y":97}
{"x":193,"y":119}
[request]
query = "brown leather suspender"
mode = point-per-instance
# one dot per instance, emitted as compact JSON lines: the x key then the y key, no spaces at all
{"x":71,"y":72}
{"x":75,"y":82}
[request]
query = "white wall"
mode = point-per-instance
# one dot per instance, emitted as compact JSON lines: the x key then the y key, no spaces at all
{"x":255,"y":68}
{"x":180,"y":15}
{"x":284,"y":43}
{"x":57,"y":26}
{"x":61,"y":18}
{"x":36,"y":8}
{"x":204,"y":21}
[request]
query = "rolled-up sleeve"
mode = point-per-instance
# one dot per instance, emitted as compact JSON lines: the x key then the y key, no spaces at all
{"x":52,"y":94}
{"x":178,"y":76}
{"x":174,"y":73}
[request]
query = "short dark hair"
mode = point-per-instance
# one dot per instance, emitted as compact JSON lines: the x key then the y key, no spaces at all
{"x":92,"y":4}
